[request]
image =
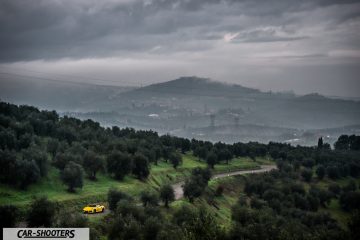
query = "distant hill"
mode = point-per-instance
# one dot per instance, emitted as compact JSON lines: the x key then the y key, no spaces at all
{"x":192,"y":103}
{"x":313,"y":96}
{"x":203,"y":96}
{"x":63,"y":96}
{"x":195,"y":86}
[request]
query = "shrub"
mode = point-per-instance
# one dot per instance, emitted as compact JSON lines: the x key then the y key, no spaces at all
{"x":114,"y":196}
{"x":167,"y":194}
{"x":8,"y":216}
{"x":219,"y":190}
{"x":41,"y":213}
{"x":119,"y":164}
{"x":72,"y":176}
{"x":92,"y":164}
{"x":334,"y":188}
{"x":320,"y":172}
{"x":70,"y":219}
{"x":175,"y":159}
{"x":350,"y":201}
{"x":149,"y":198}
{"x":307,"y":174}
{"x":141,"y":167}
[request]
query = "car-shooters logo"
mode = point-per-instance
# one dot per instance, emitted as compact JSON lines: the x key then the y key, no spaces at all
{"x":46,"y":233}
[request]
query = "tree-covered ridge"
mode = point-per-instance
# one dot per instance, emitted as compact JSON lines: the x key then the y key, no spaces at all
{"x":293,"y":201}
{"x":32,"y":140}
{"x":287,"y":203}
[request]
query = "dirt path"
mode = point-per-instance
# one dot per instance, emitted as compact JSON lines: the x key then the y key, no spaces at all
{"x":179,"y":193}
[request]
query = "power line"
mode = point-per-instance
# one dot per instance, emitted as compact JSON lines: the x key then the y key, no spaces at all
{"x":42,"y":78}
{"x":16,"y":76}
{"x":63,"y":75}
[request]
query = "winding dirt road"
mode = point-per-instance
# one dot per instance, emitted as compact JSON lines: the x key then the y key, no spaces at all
{"x":179,"y":193}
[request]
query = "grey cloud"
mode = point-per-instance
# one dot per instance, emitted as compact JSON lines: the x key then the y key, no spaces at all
{"x":47,"y":29}
{"x":265,"y":35}
{"x":318,"y":55}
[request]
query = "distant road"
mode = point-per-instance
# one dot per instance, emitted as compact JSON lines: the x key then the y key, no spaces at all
{"x":179,"y":193}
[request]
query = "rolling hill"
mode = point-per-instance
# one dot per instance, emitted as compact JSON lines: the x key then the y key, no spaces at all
{"x":193,"y":107}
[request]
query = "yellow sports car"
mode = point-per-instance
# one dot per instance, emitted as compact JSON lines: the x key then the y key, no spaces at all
{"x":93,"y":208}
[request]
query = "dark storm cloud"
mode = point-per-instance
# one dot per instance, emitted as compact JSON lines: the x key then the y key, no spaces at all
{"x":55,"y":29}
{"x":134,"y":42}
{"x":49,"y":29}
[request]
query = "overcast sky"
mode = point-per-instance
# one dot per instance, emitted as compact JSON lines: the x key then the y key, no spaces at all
{"x":305,"y":46}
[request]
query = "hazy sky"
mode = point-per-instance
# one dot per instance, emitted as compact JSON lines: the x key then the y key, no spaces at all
{"x":305,"y":46}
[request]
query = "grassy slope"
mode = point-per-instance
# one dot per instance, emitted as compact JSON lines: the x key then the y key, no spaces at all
{"x":233,"y":188}
{"x":96,"y":191}
{"x":219,"y":206}
{"x":334,"y":208}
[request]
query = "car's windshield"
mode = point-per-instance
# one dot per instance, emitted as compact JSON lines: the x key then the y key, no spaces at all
{"x":91,"y":205}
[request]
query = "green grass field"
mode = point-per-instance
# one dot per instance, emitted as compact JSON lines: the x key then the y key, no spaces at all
{"x":219,"y":206}
{"x":164,"y":173}
{"x":334,"y":208}
{"x":234,"y":186}
{"x":96,"y":191}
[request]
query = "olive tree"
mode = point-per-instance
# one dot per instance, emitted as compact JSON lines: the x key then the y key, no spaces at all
{"x":72,"y":176}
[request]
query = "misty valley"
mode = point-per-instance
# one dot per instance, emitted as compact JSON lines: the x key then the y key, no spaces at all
{"x":193,"y":107}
